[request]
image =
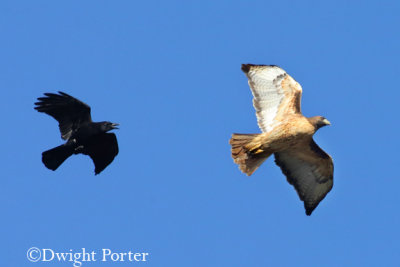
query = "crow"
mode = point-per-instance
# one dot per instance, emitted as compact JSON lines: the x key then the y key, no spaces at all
{"x":83,"y":136}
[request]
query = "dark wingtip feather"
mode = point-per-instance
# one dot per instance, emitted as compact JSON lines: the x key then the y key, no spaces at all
{"x":63,"y":94}
{"x":309,"y":210}
{"x":97,"y":171}
{"x":49,"y":95}
{"x":246,"y":67}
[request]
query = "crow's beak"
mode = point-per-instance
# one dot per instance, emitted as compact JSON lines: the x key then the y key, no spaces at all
{"x":326,"y":122}
{"x":113,"y":125}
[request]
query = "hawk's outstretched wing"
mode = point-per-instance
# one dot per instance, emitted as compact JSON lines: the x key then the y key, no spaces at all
{"x":310,"y":170}
{"x":67,"y":110}
{"x":275,"y":92}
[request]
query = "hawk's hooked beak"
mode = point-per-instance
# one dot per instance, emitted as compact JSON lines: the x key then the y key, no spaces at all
{"x":326,"y":122}
{"x":113,"y":125}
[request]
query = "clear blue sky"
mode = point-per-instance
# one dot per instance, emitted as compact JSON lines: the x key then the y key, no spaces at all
{"x":169,"y":73}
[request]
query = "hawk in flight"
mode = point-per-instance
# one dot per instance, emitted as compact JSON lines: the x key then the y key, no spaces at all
{"x":286,"y":133}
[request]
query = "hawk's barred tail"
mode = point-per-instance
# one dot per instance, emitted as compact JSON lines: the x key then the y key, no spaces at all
{"x":247,"y":152}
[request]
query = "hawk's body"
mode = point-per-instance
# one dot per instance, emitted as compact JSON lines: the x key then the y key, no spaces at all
{"x":286,"y":133}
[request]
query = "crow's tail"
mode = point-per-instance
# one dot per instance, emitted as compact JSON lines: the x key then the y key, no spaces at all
{"x":54,"y":157}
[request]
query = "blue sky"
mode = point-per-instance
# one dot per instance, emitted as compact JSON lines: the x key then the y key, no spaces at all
{"x":169,"y":73}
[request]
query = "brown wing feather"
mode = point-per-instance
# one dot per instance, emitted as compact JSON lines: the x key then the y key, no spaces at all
{"x":310,"y":170}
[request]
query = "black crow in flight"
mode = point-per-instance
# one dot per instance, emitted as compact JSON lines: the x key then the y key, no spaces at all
{"x":82,"y":135}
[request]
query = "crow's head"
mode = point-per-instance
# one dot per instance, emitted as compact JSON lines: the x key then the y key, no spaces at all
{"x":108,"y":126}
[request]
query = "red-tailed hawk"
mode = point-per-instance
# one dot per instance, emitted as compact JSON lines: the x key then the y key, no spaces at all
{"x":286,"y":133}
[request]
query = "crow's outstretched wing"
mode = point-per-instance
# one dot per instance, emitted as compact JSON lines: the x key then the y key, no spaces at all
{"x":102,"y":148}
{"x":70,"y":112}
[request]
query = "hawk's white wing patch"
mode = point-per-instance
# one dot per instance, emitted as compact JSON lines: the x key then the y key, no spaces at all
{"x":275,"y":94}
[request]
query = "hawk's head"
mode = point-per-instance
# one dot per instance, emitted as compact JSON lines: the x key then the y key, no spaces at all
{"x":319,"y":121}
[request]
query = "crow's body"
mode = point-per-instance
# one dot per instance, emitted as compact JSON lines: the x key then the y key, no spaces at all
{"x":83,"y":136}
